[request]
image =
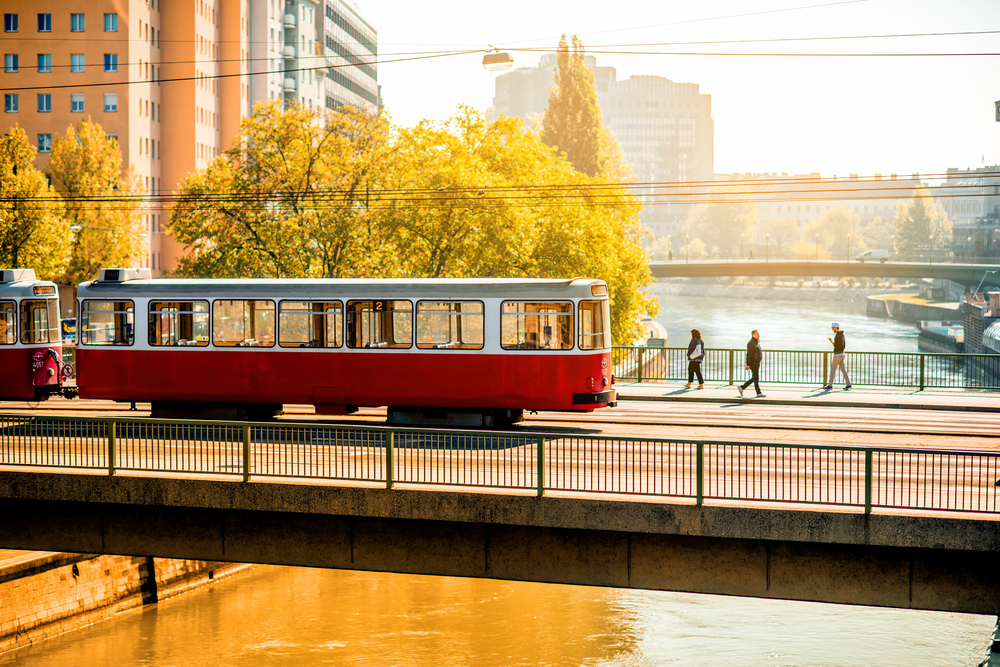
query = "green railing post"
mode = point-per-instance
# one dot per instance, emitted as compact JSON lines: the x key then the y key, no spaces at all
{"x":111,"y":447}
{"x":868,"y":482}
{"x":921,"y":372}
{"x":701,"y":474}
{"x":823,"y":369}
{"x":388,"y":459}
{"x":639,"y":368}
{"x":246,"y":452}
{"x":540,"y":448}
{"x":731,"y":366}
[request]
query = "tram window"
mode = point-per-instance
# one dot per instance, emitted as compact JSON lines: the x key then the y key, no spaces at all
{"x":379,"y":324}
{"x":108,"y":323}
{"x":8,"y":317}
{"x":311,"y":324}
{"x":595,"y":325}
{"x":240,"y":323}
{"x":450,"y":325}
{"x":40,"y":321}
{"x":540,"y":325}
{"x":180,"y":323}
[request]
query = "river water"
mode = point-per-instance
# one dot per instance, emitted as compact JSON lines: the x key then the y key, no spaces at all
{"x":298,"y":616}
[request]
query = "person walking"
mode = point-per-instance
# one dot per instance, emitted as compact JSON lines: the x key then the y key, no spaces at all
{"x":839,"y":357}
{"x":696,"y":354}
{"x":754,"y":357}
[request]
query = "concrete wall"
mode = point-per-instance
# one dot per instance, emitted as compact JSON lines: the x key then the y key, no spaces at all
{"x":58,"y":592}
{"x":940,"y":562}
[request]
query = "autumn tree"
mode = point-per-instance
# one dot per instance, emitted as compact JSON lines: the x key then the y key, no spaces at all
{"x":917,"y":221}
{"x":290,"y":198}
{"x":33,"y":232}
{"x":572,"y":120}
{"x":103,"y":202}
{"x":837,"y":228}
{"x":720,"y":223}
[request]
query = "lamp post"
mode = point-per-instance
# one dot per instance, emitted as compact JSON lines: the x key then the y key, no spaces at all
{"x":767,"y":245}
{"x":741,"y":245}
{"x":892,"y":247}
{"x":968,"y":246}
{"x":686,"y":257}
{"x":930,"y":249}
{"x":670,"y":251}
{"x":817,"y":247}
{"x":848,"y":247}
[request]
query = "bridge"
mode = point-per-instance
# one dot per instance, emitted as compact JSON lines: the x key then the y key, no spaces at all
{"x":965,"y":274}
{"x":820,"y":523}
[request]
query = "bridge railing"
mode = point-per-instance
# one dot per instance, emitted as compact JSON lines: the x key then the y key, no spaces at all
{"x":877,"y":369}
{"x":696,"y":470}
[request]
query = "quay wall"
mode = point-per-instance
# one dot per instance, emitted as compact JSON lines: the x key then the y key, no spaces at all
{"x":53,"y":593}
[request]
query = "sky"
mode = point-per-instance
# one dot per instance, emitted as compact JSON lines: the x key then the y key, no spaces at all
{"x":843,"y":114}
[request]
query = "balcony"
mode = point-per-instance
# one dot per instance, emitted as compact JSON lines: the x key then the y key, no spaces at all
{"x":290,"y":21}
{"x":288,"y":52}
{"x":290,"y":85}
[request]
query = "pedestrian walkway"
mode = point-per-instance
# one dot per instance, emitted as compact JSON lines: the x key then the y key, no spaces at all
{"x":784,"y":394}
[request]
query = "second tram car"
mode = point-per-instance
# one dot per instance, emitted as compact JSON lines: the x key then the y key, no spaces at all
{"x":30,"y":337}
{"x":451,"y":351}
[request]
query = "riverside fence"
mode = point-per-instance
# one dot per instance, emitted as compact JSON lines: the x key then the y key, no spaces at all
{"x":699,"y":470}
{"x":877,"y":369}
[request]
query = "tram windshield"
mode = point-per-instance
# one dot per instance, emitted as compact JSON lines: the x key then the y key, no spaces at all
{"x":8,"y":318}
{"x":546,"y":325}
{"x":40,"y":321}
{"x":595,"y":325}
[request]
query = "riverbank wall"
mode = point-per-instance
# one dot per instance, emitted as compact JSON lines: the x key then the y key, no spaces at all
{"x":807,"y":292}
{"x":46,"y":594}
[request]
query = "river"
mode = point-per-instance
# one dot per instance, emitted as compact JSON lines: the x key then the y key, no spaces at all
{"x":298,"y":616}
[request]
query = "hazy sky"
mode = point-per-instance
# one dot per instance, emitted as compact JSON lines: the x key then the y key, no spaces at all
{"x":835,"y":115}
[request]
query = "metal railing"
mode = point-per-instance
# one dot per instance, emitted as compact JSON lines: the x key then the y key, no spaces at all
{"x":912,"y":479}
{"x":878,"y":369}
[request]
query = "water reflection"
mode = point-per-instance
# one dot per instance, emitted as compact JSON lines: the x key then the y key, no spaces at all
{"x":299,"y":616}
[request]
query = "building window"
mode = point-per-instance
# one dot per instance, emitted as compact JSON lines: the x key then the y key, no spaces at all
{"x":44,"y":62}
{"x":10,"y":22}
{"x":44,"y":142}
{"x":110,"y":62}
{"x":10,"y":103}
{"x":112,"y":136}
{"x":45,"y":23}
{"x":111,"y":23}
{"x":10,"y":62}
{"x":111,"y":101}
{"x":76,"y":62}
{"x":44,"y":102}
{"x":76,"y":22}
{"x":76,"y":102}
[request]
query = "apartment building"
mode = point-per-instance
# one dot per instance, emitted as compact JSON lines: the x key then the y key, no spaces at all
{"x":169,"y":80}
{"x":971,"y":198}
{"x":665,"y":129}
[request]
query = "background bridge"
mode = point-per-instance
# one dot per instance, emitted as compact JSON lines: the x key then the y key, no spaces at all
{"x":966,"y":274}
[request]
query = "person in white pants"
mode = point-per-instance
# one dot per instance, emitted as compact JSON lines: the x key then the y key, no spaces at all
{"x":839,"y":357}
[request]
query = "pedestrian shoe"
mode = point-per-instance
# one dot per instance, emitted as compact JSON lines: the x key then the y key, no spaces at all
{"x":702,"y":386}
{"x":828,"y":387}
{"x":760,"y":395}
{"x":847,"y":387}
{"x":688,"y":385}
{"x":740,"y":389}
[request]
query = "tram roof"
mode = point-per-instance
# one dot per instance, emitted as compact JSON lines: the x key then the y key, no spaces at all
{"x":26,"y":289}
{"x":316,"y":288}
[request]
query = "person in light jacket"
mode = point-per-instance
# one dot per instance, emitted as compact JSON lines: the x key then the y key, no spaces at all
{"x":696,"y":354}
{"x":839,"y":357}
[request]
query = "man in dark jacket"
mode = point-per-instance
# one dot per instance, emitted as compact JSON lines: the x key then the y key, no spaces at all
{"x":754,"y":356}
{"x":839,"y":357}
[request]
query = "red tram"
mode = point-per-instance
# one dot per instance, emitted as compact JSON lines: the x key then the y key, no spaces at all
{"x":458,"y":352}
{"x":30,"y":338}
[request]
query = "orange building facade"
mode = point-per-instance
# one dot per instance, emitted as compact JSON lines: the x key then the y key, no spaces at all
{"x":165,"y":78}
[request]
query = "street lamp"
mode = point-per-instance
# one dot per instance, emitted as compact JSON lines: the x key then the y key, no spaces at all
{"x":670,"y":249}
{"x":497,"y":60}
{"x":930,"y":249}
{"x":817,"y":247}
{"x":892,"y":247}
{"x":848,"y":247}
{"x":767,"y":244}
{"x":968,"y":246}
{"x":686,"y":248}
{"x":741,"y":245}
